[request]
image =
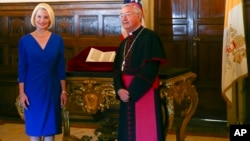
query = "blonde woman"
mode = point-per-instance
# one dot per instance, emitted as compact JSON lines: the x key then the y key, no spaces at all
{"x":41,"y":77}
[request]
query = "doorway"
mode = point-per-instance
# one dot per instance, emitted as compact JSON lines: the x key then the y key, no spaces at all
{"x":192,"y":35}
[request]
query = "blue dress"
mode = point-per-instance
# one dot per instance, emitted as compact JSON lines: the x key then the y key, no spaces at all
{"x":41,"y":71}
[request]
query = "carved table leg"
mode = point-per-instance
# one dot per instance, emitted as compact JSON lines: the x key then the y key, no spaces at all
{"x":187,"y":112}
{"x":179,"y":93}
{"x":66,"y":123}
{"x":66,"y":131}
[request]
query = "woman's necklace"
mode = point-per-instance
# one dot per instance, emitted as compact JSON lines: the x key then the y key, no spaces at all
{"x":125,"y":47}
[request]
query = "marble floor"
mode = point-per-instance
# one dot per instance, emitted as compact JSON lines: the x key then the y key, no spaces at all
{"x":14,"y":131}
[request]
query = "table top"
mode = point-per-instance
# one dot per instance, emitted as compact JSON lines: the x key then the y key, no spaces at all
{"x":165,"y":72}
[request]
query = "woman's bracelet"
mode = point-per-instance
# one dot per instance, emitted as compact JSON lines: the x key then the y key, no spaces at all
{"x":64,"y":92}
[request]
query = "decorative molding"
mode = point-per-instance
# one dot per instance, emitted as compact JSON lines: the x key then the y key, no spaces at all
{"x":65,"y":26}
{"x":16,"y":26}
{"x":110,"y":25}
{"x":89,"y":25}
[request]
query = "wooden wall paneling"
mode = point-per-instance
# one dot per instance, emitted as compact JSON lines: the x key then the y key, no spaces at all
{"x":192,"y":33}
{"x":9,"y":92}
{"x":208,"y":24}
{"x":247,"y":32}
{"x":81,"y":24}
{"x":174,"y":48}
{"x":4,"y":61}
{"x":172,"y":24}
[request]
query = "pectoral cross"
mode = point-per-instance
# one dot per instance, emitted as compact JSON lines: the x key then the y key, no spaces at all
{"x":123,"y":65}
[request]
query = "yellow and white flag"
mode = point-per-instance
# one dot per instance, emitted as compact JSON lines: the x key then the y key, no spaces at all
{"x":234,"y":59}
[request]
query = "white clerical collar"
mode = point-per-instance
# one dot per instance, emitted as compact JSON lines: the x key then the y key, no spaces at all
{"x":131,"y":33}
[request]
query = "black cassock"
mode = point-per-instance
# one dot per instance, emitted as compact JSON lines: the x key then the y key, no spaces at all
{"x":136,"y":68}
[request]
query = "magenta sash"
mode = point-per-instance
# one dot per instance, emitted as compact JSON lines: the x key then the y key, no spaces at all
{"x":145,"y":115}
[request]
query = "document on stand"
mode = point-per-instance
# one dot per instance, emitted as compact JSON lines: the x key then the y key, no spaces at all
{"x":96,"y":55}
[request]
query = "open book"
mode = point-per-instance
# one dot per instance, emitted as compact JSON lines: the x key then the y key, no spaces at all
{"x":96,"y":55}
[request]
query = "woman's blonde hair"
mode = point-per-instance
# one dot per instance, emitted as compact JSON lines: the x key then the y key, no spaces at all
{"x":50,"y":11}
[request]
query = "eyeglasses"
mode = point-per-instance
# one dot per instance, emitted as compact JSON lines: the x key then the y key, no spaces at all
{"x":125,"y":14}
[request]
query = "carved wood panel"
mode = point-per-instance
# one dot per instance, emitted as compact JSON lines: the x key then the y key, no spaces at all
{"x":89,"y":26}
{"x":64,"y":25}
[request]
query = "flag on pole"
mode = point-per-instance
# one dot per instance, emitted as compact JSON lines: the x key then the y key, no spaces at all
{"x":234,"y":57}
{"x":124,"y":34}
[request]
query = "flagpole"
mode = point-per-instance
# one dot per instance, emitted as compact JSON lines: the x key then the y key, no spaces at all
{"x":236,"y":101}
{"x":236,"y":111}
{"x":232,"y":113}
{"x":241,"y":101}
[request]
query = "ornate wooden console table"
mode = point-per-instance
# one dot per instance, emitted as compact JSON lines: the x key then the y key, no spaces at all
{"x":180,"y":98}
{"x":92,"y":92}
